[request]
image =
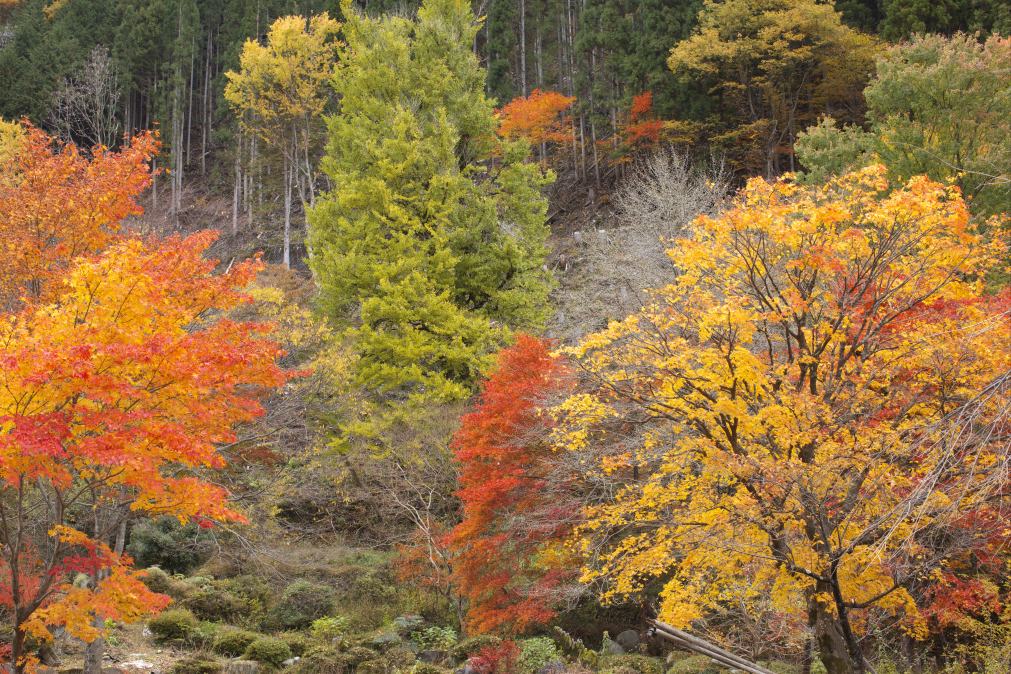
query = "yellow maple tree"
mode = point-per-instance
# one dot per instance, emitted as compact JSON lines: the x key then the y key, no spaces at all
{"x":777,"y":416}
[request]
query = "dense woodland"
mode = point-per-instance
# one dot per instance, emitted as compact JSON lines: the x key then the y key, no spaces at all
{"x":380,"y":337}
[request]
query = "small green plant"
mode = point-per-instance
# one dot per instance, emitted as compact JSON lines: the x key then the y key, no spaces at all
{"x":173,"y":624}
{"x":269,"y":651}
{"x":328,"y":628}
{"x":435,"y":638}
{"x":233,"y":642}
{"x":535,"y":653}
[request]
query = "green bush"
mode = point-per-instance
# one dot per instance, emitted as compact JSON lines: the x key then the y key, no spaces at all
{"x":213,"y":602}
{"x":400,"y":658}
{"x":639,"y":664}
{"x":372,"y":667}
{"x":471,"y":645}
{"x":323,"y":661}
{"x":158,"y":581}
{"x":435,"y":638}
{"x":328,"y":628}
{"x":301,"y":603}
{"x":196,"y":664}
{"x":360,"y":654}
{"x":298,"y":643}
{"x":202,"y":636}
{"x":233,"y":642}
{"x":173,"y":624}
{"x":535,"y":653}
{"x":425,"y":668}
{"x":694,"y":664}
{"x":268,"y":650}
{"x":174,"y":547}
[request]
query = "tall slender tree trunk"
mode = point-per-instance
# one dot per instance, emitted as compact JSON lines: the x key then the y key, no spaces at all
{"x":523,"y":46}
{"x":287,"y":213}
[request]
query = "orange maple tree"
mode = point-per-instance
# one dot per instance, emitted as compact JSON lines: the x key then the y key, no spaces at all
{"x":641,"y":130}
{"x":541,"y":118}
{"x":114,"y":398}
{"x":57,"y":203}
{"x":508,"y":558}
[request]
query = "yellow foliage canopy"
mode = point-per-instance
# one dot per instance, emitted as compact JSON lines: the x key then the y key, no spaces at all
{"x":776,"y":412}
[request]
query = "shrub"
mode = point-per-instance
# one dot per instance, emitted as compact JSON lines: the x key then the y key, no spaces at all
{"x":212,"y":602}
{"x":202,"y":636}
{"x":302,"y":603}
{"x":472,"y":645}
{"x":536,"y":653}
{"x":233,"y":642}
{"x":298,"y":643}
{"x":425,"y":668}
{"x":694,"y":664}
{"x":196,"y":664}
{"x":638,"y":664}
{"x":268,"y":650}
{"x":400,"y":658}
{"x":323,"y":661}
{"x":328,"y":628}
{"x":176,"y":548}
{"x":501,"y":659}
{"x":157,"y":580}
{"x":372,"y":667}
{"x":173,"y":624}
{"x":435,"y":638}
{"x":360,"y":654}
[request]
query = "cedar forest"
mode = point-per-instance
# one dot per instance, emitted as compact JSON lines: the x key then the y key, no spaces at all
{"x":505,"y":336}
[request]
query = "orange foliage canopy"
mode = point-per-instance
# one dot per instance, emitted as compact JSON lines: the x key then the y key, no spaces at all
{"x":56,"y":204}
{"x":514,"y":509}
{"x":540,"y":117}
{"x":114,"y":395}
{"x":641,"y":131}
{"x":118,"y":379}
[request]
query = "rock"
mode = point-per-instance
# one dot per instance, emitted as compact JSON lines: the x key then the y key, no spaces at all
{"x":553,"y":667}
{"x":610,"y":647}
{"x":406,"y":624}
{"x":433,"y":657}
{"x":242,"y":667}
{"x":138,"y":663}
{"x":629,"y":640}
{"x":290,"y":661}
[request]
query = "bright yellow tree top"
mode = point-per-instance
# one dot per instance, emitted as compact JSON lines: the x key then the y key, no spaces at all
{"x":773,"y":415}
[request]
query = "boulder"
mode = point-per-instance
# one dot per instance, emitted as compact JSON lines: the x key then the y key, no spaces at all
{"x":628,"y":640}
{"x":242,"y":667}
{"x":433,"y":657}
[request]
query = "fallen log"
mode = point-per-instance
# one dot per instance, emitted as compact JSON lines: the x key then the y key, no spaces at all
{"x":695,"y":644}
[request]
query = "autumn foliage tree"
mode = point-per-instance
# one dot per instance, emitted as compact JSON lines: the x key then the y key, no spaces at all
{"x":776,"y":418}
{"x":508,"y":561}
{"x":56,"y":203}
{"x":114,"y":397}
{"x":541,"y":118}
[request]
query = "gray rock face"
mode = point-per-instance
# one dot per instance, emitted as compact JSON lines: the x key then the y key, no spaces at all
{"x":610,"y":647}
{"x":406,"y":624}
{"x":433,"y":657}
{"x":242,"y":667}
{"x":629,"y":640}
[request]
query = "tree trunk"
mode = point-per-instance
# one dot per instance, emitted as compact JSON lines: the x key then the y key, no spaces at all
{"x":523,"y":46}
{"x":287,"y":215}
{"x":833,"y":649}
